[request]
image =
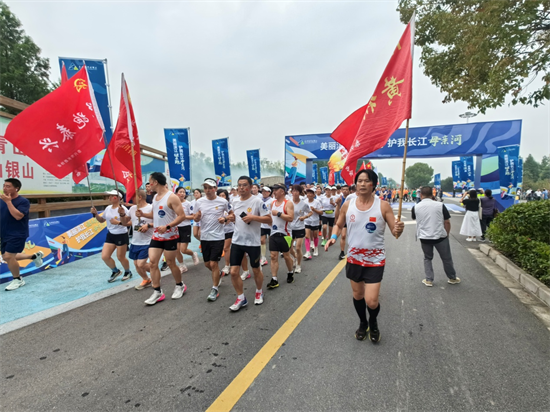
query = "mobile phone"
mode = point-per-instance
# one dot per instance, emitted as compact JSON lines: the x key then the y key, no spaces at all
{"x":243,"y":214}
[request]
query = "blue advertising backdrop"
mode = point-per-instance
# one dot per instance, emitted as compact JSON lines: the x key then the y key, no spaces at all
{"x":254,"y":165}
{"x":314,"y":173}
{"x":177,"y":152}
{"x":437,"y":180}
{"x":467,"y":172}
{"x":384,"y":181}
{"x":520,"y":173}
{"x":457,"y":181}
{"x":508,"y":160}
{"x":222,"y":167}
{"x":324,"y":175}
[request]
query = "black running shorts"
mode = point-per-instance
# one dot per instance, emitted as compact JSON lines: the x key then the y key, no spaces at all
{"x":229,"y":235}
{"x":299,"y":234}
{"x":312,"y":227}
{"x":238,"y":252}
{"x":119,"y":240}
{"x":327,"y":221}
{"x":185,"y":234}
{"x":266,"y":232}
{"x":212,"y":250}
{"x":364,"y":274}
{"x":164,"y":244}
{"x":278,"y":243}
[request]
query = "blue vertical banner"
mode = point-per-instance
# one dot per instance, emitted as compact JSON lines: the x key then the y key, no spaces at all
{"x":314,"y":173}
{"x":178,"y":153}
{"x":324,"y":175}
{"x":254,"y":165}
{"x":437,"y":181}
{"x":384,"y":181}
{"x":520,"y":173}
{"x":467,"y":172}
{"x":457,"y":183}
{"x":222,"y":167}
{"x":508,"y":159}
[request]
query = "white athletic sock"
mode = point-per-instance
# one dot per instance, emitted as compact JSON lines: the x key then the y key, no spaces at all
{"x":215,"y":287}
{"x":258,"y":291}
{"x":274,"y":277}
{"x":241,"y":297}
{"x":263,"y":249}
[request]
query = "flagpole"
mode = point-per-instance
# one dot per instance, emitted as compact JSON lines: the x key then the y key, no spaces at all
{"x":110,"y":160}
{"x":403,"y":172}
{"x":90,"y":189}
{"x":135,"y":174}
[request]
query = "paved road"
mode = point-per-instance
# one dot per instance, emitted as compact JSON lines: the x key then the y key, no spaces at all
{"x":472,"y":346}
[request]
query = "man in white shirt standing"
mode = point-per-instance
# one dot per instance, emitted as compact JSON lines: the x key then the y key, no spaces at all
{"x":249,"y":213}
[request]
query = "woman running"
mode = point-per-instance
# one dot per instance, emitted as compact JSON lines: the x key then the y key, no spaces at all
{"x":312,"y":224}
{"x":197,"y":194}
{"x":301,"y":213}
{"x":184,"y":229}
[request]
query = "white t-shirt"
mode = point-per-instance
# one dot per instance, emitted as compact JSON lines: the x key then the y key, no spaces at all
{"x":192,"y":208}
{"x":267,"y":203}
{"x":327,"y":207}
{"x":212,"y":210}
{"x":300,"y":209}
{"x":228,"y":227}
{"x":350,"y":197}
{"x":111,"y":213}
{"x":139,"y":238}
{"x":187,"y":212}
{"x":313,"y":220}
{"x":248,"y":234}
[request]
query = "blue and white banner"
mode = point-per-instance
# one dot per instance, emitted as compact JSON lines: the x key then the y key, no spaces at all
{"x":324,"y":175}
{"x":254,"y":166}
{"x":437,"y":181}
{"x":467,"y":172}
{"x":520,"y":173}
{"x":384,"y":181}
{"x":178,"y":152}
{"x":457,"y":182}
{"x":508,"y":159}
{"x":222,"y":167}
{"x":314,"y":173}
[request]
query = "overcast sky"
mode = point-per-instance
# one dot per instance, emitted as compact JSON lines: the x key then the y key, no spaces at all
{"x":251,"y":71}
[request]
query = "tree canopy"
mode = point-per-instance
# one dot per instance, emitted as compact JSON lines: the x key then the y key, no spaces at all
{"x":419,"y":174}
{"x":482,"y":51}
{"x":24,"y":74}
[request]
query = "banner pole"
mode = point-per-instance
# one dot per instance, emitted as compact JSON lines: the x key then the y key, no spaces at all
{"x":403,"y":172}
{"x":90,"y":188}
{"x":110,"y":161}
{"x":135,"y":174}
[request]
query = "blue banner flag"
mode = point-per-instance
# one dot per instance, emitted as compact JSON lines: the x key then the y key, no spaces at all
{"x":520,"y":173}
{"x":508,"y":159}
{"x":437,"y":181}
{"x":222,"y":168}
{"x":467,"y":172}
{"x":178,"y":152}
{"x":324,"y":175}
{"x":314,"y":173}
{"x":254,"y":166}
{"x":384,"y":181}
{"x":457,"y":182}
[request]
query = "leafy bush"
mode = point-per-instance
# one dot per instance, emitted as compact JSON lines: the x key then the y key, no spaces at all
{"x":522,"y":233}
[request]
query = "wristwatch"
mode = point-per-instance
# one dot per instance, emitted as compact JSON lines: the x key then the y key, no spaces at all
{"x":279,"y":214}
{"x":167,"y":227}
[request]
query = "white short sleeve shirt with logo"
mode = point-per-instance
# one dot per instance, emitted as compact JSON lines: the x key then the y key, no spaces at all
{"x":248,"y":234}
{"x":111,"y":213}
{"x":313,"y":220}
{"x":212,"y":210}
{"x":300,"y":209}
{"x":140,"y":238}
{"x":267,"y":203}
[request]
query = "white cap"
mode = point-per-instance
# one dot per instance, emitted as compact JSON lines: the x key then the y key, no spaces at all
{"x":266,"y":188}
{"x":210,"y":182}
{"x":114,"y":193}
{"x":333,"y":188}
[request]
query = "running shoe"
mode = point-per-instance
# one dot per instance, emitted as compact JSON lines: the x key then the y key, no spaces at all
{"x":127,"y":275}
{"x":273,"y":284}
{"x":164,"y":267}
{"x":324,"y":242}
{"x":454,"y":281}
{"x":38,"y":259}
{"x":239,"y":303}
{"x":246,"y":275}
{"x":298,"y":269}
{"x":427,"y":282}
{"x":214,"y":294}
{"x":114,"y":275}
{"x":15,"y":284}
{"x":290,"y":278}
{"x":374,"y":333}
{"x":259,"y":298}
{"x":144,"y":284}
{"x":342,"y":255}
{"x":183,"y":269}
{"x":225,"y":271}
{"x":156,"y":297}
{"x":307,"y":256}
{"x":315,"y":251}
{"x":361,"y":333}
{"x":179,"y":291}
{"x":195,"y":258}
{"x":263,"y":261}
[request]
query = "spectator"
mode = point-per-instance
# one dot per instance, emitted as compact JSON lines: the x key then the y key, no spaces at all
{"x":488,"y":205}
{"x":470,"y":225}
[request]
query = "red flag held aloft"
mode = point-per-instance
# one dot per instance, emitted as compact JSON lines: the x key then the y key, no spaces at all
{"x":62,"y":130}
{"x":369,"y":128}
{"x":64,"y":76}
{"x":121,"y":172}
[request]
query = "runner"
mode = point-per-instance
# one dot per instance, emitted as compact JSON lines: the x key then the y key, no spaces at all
{"x":328,"y":214}
{"x":282,"y":212}
{"x":197,"y":194}
{"x":184,"y":231}
{"x":143,"y":232}
{"x":249,"y":213}
{"x":312,"y":224}
{"x":117,"y":235}
{"x":167,"y":213}
{"x":256,"y":190}
{"x":339,"y":202}
{"x":298,"y":227}
{"x":210,"y":211}
{"x":366,"y":218}
{"x":265,"y":228}
{"x":14,"y":231}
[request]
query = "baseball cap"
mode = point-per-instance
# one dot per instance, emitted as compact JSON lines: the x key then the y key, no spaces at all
{"x":266,"y":188}
{"x":333,"y":188}
{"x":310,"y":189}
{"x":210,"y":182}
{"x":113,"y":193}
{"x":279,"y":186}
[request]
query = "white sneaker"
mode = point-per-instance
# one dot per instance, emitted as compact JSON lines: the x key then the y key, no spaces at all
{"x":246,"y":275}
{"x":195,"y":258}
{"x":315,"y":251}
{"x":183,"y":268}
{"x":157,"y":296}
{"x":238,"y":304}
{"x":259,"y":298}
{"x":298,"y":269}
{"x":263,"y":261}
{"x":38,"y":260}
{"x":15,"y":284}
{"x":307,"y":255}
{"x":468,"y":240}
{"x":179,"y":291}
{"x":226,"y":270}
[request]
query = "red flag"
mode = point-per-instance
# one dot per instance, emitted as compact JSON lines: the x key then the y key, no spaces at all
{"x":64,"y":77}
{"x":62,"y":130}
{"x":363,"y":167}
{"x":125,"y":136}
{"x":369,"y":128}
{"x":121,"y":173}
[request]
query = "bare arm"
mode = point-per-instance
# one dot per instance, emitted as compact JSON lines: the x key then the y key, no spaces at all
{"x":338,"y":226}
{"x":289,"y":215}
{"x":175,"y":204}
{"x":396,"y":228}
{"x":17,"y":215}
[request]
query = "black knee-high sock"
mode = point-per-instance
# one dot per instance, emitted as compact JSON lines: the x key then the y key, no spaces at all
{"x":373,"y":313}
{"x":361,"y":309}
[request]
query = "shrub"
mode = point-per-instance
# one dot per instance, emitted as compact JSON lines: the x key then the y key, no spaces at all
{"x":522,"y":233}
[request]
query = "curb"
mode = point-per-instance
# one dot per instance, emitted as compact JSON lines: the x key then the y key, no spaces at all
{"x":529,"y":283}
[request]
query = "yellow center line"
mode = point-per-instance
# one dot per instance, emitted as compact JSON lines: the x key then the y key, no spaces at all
{"x":236,"y":389}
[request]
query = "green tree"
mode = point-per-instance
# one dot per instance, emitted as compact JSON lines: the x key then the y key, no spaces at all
{"x":481,"y":51}
{"x":447,"y":184}
{"x":419,"y":174}
{"x":544,"y":168}
{"x":24,"y":74}
{"x":531,"y":169}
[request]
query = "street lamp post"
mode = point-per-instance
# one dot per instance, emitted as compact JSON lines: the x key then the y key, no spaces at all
{"x":467,"y":115}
